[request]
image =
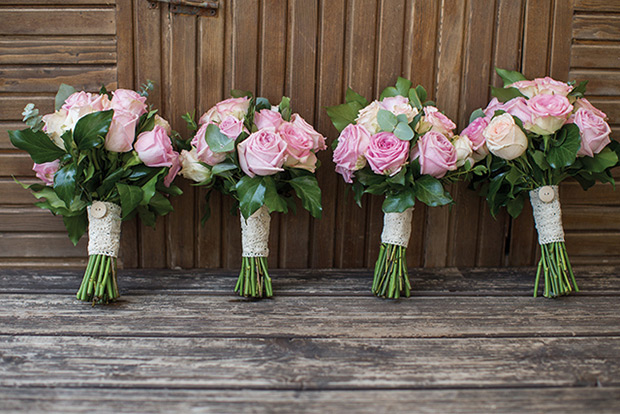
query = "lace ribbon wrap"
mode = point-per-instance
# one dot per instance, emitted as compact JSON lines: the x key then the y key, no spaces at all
{"x":255,"y":233}
{"x":548,"y":216}
{"x":397,"y":228}
{"x":104,"y":229}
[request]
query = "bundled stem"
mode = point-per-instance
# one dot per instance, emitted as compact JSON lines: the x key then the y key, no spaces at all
{"x":254,"y":280}
{"x":556,"y":270}
{"x":99,"y":283}
{"x":391,"y":279}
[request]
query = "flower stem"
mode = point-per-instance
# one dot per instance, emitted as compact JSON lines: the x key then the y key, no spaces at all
{"x":254,"y":280}
{"x":556,"y":269}
{"x":391,"y":279}
{"x":99,"y":284}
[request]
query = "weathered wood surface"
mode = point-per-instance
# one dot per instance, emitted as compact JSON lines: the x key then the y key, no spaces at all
{"x":468,"y":341}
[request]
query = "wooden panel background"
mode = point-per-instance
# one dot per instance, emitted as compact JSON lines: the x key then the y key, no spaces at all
{"x":310,"y":50}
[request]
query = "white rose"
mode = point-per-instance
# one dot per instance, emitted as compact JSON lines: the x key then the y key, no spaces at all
{"x":56,"y":124}
{"x":504,"y":138}
{"x":191,"y":167}
{"x":464,"y":150}
{"x":368,"y":117}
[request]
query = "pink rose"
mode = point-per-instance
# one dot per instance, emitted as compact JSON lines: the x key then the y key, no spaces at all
{"x":299,"y":147}
{"x":436,"y":154}
{"x":122,"y":131}
{"x":504,"y":138}
{"x":584,"y":103}
{"x":262,"y":153}
{"x":236,"y":107}
{"x":387,"y":154}
{"x":231,"y":127}
{"x":549,"y":86}
{"x":349,"y":154}
{"x":473,"y":131}
{"x":399,"y":105}
{"x":434,"y":120}
{"x":519,"y":107}
{"x":318,"y":139}
{"x":266,"y":118}
{"x":203,"y":152}
{"x":155,"y":150}
{"x":494,"y":105}
{"x":594,"y":132}
{"x":549,"y":113}
{"x":94,"y":102}
{"x":129,"y":101}
{"x":210,"y":116}
{"x":526,"y":87}
{"x":46,"y":171}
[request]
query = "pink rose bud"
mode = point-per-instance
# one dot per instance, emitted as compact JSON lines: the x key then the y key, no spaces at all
{"x":594,"y":132}
{"x":122,"y":131}
{"x":436,"y":154}
{"x":584,"y":103}
{"x":94,"y":102}
{"x":494,"y":105}
{"x":386,"y":153}
{"x":519,"y":108}
{"x":266,"y":118}
{"x":231,"y":127}
{"x":549,"y":86}
{"x":262,"y":153}
{"x":237,"y":107}
{"x":349,"y":154}
{"x":318,"y":139}
{"x":299,"y":147}
{"x":203,"y":151}
{"x":434,"y":120}
{"x":549,"y":113}
{"x":474,"y":130}
{"x":46,"y":171}
{"x":129,"y":101}
{"x":155,"y":149}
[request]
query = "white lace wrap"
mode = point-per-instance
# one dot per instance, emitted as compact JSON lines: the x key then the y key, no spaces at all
{"x":104,"y":229}
{"x":548,"y":216}
{"x":397,"y":228}
{"x":255,"y":233}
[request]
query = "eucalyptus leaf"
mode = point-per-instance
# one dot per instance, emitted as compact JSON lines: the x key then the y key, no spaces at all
{"x":217,"y":141}
{"x":478,"y":113}
{"x":403,"y":131}
{"x":387,"y":120}
{"x":64,"y":91}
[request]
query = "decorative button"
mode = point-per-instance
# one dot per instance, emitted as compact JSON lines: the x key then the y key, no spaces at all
{"x":546,"y":194}
{"x":98,"y":209}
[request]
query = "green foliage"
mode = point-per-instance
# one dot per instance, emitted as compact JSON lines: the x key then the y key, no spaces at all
{"x":64,"y":91}
{"x":40,"y":147}
{"x":509,"y":77}
{"x":506,"y":94}
{"x":343,"y":115}
{"x":217,"y":141}
{"x":91,"y":129}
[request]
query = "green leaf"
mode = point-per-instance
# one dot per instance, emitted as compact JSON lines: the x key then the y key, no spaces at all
{"x":222,"y":167}
{"x":251,"y":194}
{"x":273,"y":200}
{"x":399,"y":202}
{"x":389,"y":92}
{"x":238,"y":93}
{"x":148,"y":189}
{"x":64,"y":91}
{"x":76,"y":226}
{"x":65,"y":183}
{"x":131,"y":196}
{"x":217,"y":141}
{"x":565,"y":154}
{"x":478,"y":113}
{"x":387,"y":120}
{"x":515,"y":206}
{"x":505,"y":94}
{"x":601,"y":161}
{"x":285,"y":108}
{"x":91,"y":129}
{"x":399,"y":178}
{"x":160,"y":204}
{"x":403,"y":85}
{"x":540,"y":160}
{"x":579,"y":90}
{"x":415,"y":100}
{"x":307,"y":189}
{"x":509,"y":76}
{"x":40,"y":147}
{"x":430,"y":191}
{"x":403,"y":131}
{"x":422,"y":95}
{"x":262,"y":103}
{"x":343,"y":115}
{"x":147,"y":217}
{"x":352,"y":96}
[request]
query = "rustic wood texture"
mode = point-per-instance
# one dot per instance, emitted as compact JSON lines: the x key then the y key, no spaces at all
{"x":469,"y":340}
{"x":312,"y":51}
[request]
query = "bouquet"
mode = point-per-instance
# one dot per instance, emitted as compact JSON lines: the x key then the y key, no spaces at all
{"x":103,"y":157}
{"x":540,"y":132}
{"x":260,"y":155}
{"x":400,"y":146}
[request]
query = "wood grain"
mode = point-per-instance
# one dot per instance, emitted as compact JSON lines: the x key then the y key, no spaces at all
{"x":596,"y":27}
{"x":59,"y":50}
{"x":52,"y":21}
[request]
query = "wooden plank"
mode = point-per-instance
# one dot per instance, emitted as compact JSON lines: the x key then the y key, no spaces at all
{"x":59,"y":2}
{"x":330,"y":78}
{"x":536,"y":40}
{"x":29,"y":219}
{"x":600,"y":194}
{"x":593,"y":218}
{"x":593,"y":56}
{"x":481,"y":282}
{"x":591,"y":243}
{"x":11,"y":107}
{"x":596,"y":27}
{"x":16,"y":164}
{"x":60,"y":50}
{"x":508,"y":37}
{"x":41,"y":79}
{"x":611,"y":107}
{"x":560,"y":42}
{"x":352,"y":317}
{"x":5,"y":127}
{"x":308,"y":364}
{"x":125,"y":44}
{"x":577,"y":400}
{"x":23,"y":263}
{"x":52,"y":21}
{"x":596,"y":6}
{"x":40,"y":245}
{"x":11,"y":193}
{"x":601,"y":82}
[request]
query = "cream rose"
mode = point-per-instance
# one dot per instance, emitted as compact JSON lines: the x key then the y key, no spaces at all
{"x":464,"y":150}
{"x":504,"y":137}
{"x":191,"y":167}
{"x":367,"y":117}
